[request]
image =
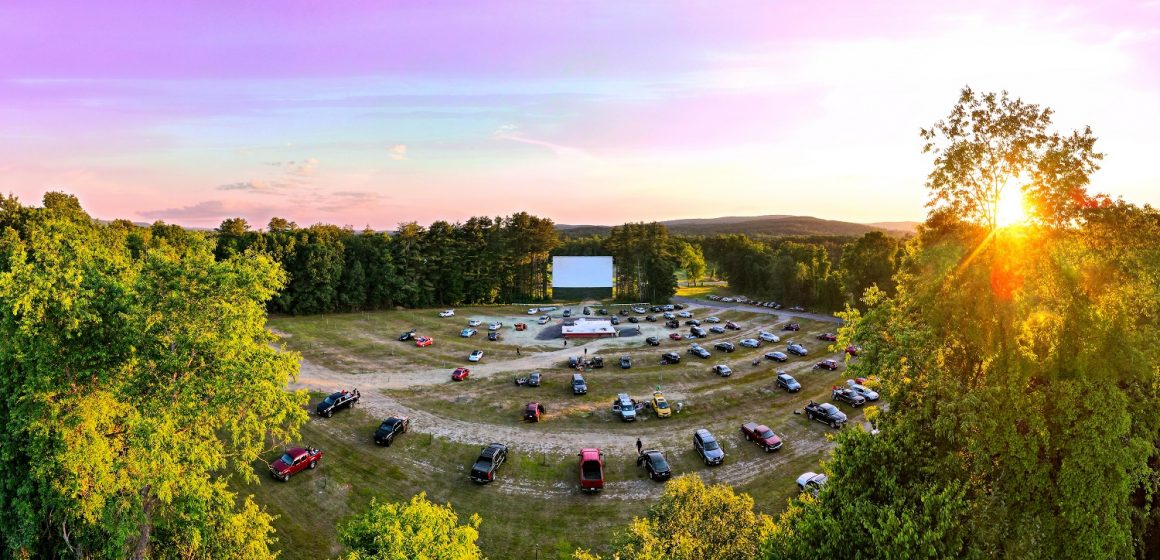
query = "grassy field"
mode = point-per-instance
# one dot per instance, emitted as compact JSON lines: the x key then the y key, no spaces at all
{"x":532,"y":511}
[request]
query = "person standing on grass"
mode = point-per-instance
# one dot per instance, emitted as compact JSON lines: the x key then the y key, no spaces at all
{"x":638,"y":446}
{"x":518,"y":351}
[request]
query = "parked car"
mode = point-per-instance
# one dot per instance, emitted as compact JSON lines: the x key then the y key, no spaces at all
{"x":533,"y":311}
{"x":660,"y":406}
{"x":654,"y":341}
{"x":407,"y":335}
{"x":586,"y":310}
{"x":650,"y":318}
{"x":337,"y":401}
{"x":717,"y":329}
{"x":533,"y":411}
{"x":811,"y":482}
{"x":787,"y":382}
{"x":776,"y":356}
{"x":795,"y":348}
{"x":424,"y":341}
{"x":294,"y":461}
{"x":699,"y":351}
{"x":493,"y":336}
{"x":602,"y":311}
{"x":853,"y":350}
{"x":684,"y":314}
{"x":707,"y":447}
{"x":668,"y":315}
{"x":623,"y":313}
{"x":521,"y":326}
{"x":724,"y":346}
{"x":468,"y":333}
{"x":448,"y":313}
{"x":673,"y":324}
{"x":792,"y":327}
{"x":591,"y":470}
{"x":633,"y":320}
{"x":847,"y":395}
{"x":625,"y":362}
{"x":567,"y":312}
{"x":698,"y":332}
{"x":713,"y":319}
{"x":829,"y":337}
{"x":768,"y":336}
{"x":390,"y":428}
{"x":655,"y":464}
{"x":831,"y":365}
{"x":543,"y":320}
{"x":675,"y":336}
{"x":692,"y":323}
{"x":750,"y":342}
{"x":596,"y":362}
{"x":460,"y":374}
{"x":869,"y":394}
{"x":475,"y":356}
{"x":474,"y":322}
{"x":732,"y":326}
{"x":826,"y":413}
{"x":575,"y":361}
{"x":722,"y":370}
{"x":495,"y":326}
{"x":579,"y":386}
{"x":670,"y":358}
{"x":488,"y":463}
{"x":668,"y":307}
{"x":761,"y":435}
{"x":535,"y":379}
{"x":624,"y":407}
{"x":614,"y":320}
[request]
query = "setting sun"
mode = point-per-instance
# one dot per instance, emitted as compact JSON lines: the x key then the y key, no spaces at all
{"x":1011,"y":208}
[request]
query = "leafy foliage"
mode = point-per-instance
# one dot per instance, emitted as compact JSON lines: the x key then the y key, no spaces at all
{"x":692,"y":521}
{"x":418,"y":530}
{"x":135,"y":371}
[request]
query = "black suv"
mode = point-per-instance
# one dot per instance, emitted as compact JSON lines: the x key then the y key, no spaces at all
{"x":654,"y":462}
{"x":407,"y":335}
{"x":670,"y":358}
{"x":337,"y":401}
{"x":625,"y":362}
{"x":390,"y":428}
{"x":653,"y":341}
{"x":490,"y":458}
{"x":724,"y":346}
{"x":697,"y":332}
{"x":699,"y":352}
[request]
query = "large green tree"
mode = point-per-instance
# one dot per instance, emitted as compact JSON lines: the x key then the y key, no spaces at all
{"x":132,"y":384}
{"x":416,"y":530}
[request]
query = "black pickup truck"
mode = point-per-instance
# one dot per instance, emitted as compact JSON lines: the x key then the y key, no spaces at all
{"x":490,"y":458}
{"x":826,"y":413}
{"x":337,"y":401}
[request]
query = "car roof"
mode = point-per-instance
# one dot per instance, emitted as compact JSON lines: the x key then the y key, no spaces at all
{"x":705,"y":435}
{"x":828,"y":406}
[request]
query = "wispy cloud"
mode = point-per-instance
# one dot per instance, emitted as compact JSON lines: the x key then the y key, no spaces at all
{"x":512,"y":132}
{"x":207,"y":210}
{"x":398,"y":152}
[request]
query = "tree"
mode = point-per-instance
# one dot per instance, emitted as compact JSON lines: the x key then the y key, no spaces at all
{"x":869,"y":261}
{"x":692,"y":521}
{"x":417,"y":530}
{"x":119,"y":377}
{"x":693,"y":261}
{"x":990,"y":142}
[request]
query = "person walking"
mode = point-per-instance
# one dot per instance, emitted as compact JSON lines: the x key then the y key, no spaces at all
{"x":585,"y":351}
{"x":518,"y":351}
{"x":638,"y":446}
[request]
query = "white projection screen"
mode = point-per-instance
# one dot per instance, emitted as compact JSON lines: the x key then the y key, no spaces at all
{"x":581,"y":272}
{"x":581,"y":277}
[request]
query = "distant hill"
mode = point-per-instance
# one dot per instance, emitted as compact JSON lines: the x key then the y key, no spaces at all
{"x":757,"y":225}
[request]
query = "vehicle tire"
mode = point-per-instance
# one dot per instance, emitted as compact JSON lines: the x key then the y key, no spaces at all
{"x":286,"y":477}
{"x":313,"y":464}
{"x":748,"y":437}
{"x":387,"y":442}
{"x":834,"y":425}
{"x":329,"y":413}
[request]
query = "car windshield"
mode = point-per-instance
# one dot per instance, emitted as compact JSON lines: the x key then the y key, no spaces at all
{"x":331,"y":399}
{"x":658,"y":462}
{"x":766,"y":434}
{"x":662,"y":404}
{"x":711,"y":445}
{"x":286,"y":458}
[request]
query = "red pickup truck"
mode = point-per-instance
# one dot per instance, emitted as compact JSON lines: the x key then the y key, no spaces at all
{"x":591,"y":470}
{"x":293,"y":461}
{"x":761,"y":435}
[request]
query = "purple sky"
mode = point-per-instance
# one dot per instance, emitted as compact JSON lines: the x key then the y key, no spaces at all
{"x":372,"y":113}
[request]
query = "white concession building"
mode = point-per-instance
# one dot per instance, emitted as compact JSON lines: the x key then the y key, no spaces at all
{"x":584,"y":327}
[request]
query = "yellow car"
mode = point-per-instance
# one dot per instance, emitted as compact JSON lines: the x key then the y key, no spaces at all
{"x":660,"y":406}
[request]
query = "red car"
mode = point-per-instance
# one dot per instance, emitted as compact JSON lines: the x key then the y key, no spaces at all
{"x":424,"y":341}
{"x":591,"y":470}
{"x":830,"y":337}
{"x":533,"y":411}
{"x":521,"y":326}
{"x":293,"y":461}
{"x":676,"y":336}
{"x":460,"y":374}
{"x":827,"y":364}
{"x":761,"y":435}
{"x":853,"y":350}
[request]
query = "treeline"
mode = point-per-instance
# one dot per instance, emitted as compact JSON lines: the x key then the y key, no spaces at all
{"x":481,"y":261}
{"x":645,"y":257}
{"x":797,"y":272}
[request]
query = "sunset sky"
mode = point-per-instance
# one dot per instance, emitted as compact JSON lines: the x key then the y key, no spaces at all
{"x":377,"y":112}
